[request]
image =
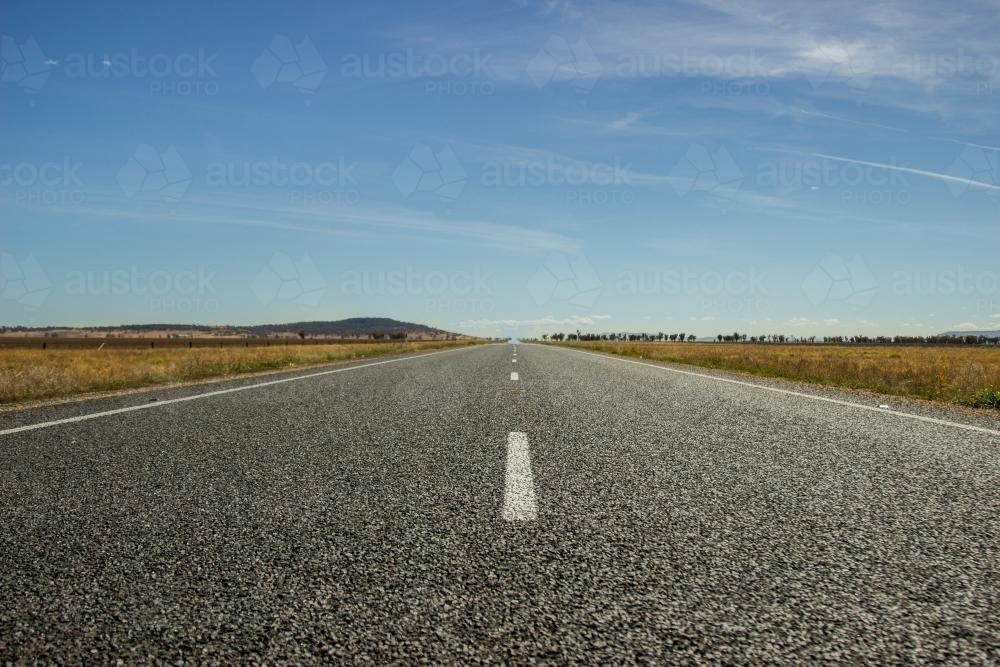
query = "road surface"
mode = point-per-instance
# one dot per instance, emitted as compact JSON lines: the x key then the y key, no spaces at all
{"x":461,"y":506}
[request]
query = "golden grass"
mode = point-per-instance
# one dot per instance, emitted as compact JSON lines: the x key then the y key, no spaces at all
{"x":966,"y":375}
{"x":36,"y":374}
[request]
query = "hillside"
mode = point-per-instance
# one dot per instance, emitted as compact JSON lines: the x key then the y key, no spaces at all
{"x":354,"y":327}
{"x":350,"y":328}
{"x":985,"y":334}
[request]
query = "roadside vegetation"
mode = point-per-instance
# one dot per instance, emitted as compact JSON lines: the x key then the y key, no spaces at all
{"x":962,"y":374}
{"x":29,"y":374}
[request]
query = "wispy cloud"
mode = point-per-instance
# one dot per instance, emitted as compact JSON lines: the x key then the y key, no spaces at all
{"x":948,"y":178}
{"x":347,"y":220}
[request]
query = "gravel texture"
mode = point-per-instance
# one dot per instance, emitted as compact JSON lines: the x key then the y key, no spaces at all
{"x":355,"y":517}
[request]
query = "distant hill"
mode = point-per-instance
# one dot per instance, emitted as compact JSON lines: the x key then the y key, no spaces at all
{"x":354,"y":327}
{"x":987,"y":334}
{"x":349,"y":328}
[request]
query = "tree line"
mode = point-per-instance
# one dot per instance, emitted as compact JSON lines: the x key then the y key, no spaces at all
{"x":632,"y":337}
{"x":736,"y":337}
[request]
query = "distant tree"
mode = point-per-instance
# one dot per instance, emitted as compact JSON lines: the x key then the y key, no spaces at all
{"x":302,"y":334}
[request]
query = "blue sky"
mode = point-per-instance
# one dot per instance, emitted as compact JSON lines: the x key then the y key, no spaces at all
{"x":504,"y":168}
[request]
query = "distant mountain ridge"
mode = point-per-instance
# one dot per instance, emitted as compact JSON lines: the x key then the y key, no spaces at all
{"x":987,"y":334}
{"x":353,"y":327}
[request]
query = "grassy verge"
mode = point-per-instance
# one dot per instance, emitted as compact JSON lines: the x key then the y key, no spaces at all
{"x":963,"y":375}
{"x":38,"y":374}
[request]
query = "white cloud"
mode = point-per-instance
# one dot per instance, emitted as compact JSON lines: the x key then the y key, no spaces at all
{"x":899,"y":43}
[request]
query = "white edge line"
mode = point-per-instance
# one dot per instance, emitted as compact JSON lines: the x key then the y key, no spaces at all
{"x":219,"y":392}
{"x":860,"y":406}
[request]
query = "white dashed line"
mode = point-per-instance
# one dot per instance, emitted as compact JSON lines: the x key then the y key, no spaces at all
{"x":519,"y":492}
{"x":513,"y":376}
{"x":513,"y":361}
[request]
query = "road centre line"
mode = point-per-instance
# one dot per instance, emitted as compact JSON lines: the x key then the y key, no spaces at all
{"x":513,"y":376}
{"x":519,"y":489}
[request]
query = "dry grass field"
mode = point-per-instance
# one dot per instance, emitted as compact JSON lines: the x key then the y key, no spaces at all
{"x":955,"y":374}
{"x":37,"y":374}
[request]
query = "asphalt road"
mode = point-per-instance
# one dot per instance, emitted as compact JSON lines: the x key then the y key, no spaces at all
{"x":437,"y":509}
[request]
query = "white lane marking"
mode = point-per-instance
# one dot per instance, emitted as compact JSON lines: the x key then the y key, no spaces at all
{"x":219,"y":392}
{"x":788,"y":392}
{"x":513,"y":376}
{"x":519,"y":491}
{"x":513,"y":361}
